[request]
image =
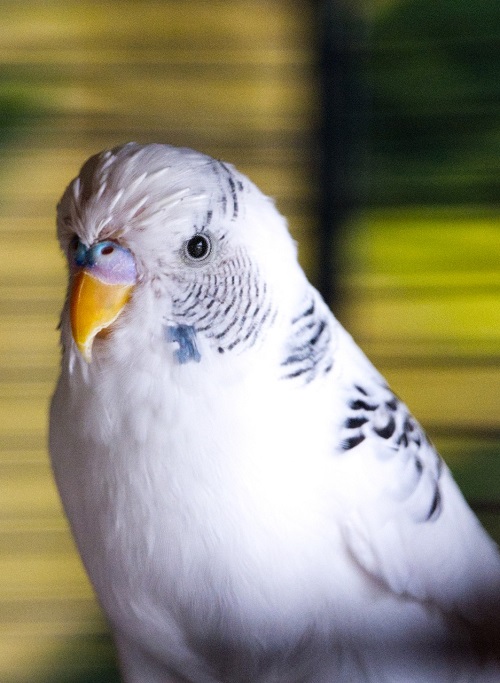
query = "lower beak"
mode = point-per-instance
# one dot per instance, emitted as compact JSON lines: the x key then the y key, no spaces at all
{"x":94,"y":305}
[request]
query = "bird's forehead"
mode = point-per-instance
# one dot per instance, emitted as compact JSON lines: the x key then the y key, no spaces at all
{"x":132,"y":185}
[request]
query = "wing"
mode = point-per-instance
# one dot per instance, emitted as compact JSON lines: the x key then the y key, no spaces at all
{"x":407,"y":523}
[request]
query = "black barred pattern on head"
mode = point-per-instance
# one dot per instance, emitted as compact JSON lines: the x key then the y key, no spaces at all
{"x":379,"y":414}
{"x":229,"y":187}
{"x":308,"y":348}
{"x":231,"y":306}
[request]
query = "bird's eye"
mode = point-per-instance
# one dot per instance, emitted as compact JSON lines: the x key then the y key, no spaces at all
{"x":77,"y":251}
{"x":198,"y":247}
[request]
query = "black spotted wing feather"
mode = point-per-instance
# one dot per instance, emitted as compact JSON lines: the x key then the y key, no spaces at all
{"x":308,"y":349}
{"x":376,"y":416}
{"x":373,"y":418}
{"x":403,"y":518}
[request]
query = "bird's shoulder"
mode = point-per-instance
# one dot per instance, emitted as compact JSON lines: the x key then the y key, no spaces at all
{"x":402,"y":516}
{"x":406,"y":522}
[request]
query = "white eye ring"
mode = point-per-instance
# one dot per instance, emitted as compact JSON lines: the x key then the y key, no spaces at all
{"x":198,"y":248}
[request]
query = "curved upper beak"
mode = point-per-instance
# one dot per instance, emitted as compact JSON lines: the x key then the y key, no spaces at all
{"x":94,"y":305}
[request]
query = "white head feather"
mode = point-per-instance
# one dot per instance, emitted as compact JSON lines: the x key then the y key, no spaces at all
{"x":153,"y":198}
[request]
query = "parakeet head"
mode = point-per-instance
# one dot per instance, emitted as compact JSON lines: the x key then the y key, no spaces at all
{"x":154,"y":228}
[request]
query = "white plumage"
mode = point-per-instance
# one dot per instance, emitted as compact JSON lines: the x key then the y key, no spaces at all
{"x":250,"y":500}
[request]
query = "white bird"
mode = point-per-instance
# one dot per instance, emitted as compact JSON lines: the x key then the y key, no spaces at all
{"x":251,"y":501}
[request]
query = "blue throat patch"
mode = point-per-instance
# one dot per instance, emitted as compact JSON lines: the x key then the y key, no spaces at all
{"x":185,"y":336}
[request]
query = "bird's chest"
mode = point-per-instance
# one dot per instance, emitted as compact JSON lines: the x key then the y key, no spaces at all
{"x":203,"y":508}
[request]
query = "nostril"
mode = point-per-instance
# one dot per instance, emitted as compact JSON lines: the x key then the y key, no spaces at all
{"x":107,"y":250}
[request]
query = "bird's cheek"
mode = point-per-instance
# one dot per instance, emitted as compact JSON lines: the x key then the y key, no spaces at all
{"x":94,"y":305}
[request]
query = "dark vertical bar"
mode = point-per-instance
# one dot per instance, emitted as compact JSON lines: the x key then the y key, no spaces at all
{"x":341,"y":46}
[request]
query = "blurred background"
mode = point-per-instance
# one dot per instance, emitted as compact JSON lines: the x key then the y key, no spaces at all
{"x":375,"y":125}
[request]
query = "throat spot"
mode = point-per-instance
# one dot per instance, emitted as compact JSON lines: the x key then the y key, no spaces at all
{"x":185,"y":337}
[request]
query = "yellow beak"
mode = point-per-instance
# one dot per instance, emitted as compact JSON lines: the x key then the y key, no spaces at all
{"x":94,"y":306}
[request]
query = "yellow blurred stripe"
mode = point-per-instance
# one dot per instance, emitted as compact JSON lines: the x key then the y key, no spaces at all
{"x":34,"y":258}
{"x":461,"y":319}
{"x":27,"y":489}
{"x":29,"y":335}
{"x":460,"y":398}
{"x":28,"y":576}
{"x":21,"y":416}
{"x":59,"y":22}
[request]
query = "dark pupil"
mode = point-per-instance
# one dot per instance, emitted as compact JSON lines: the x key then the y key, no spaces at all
{"x":197,"y":247}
